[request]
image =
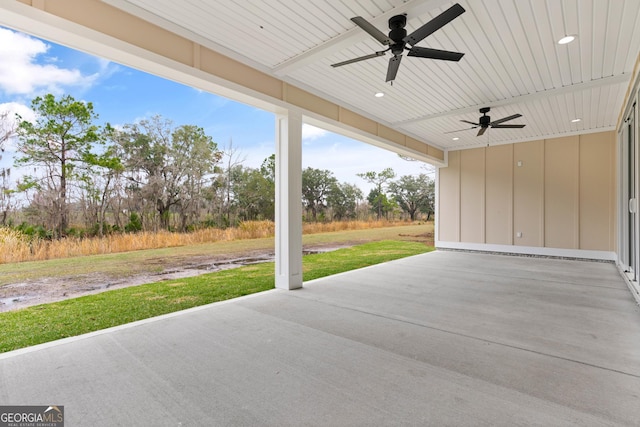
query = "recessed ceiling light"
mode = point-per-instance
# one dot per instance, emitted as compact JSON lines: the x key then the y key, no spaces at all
{"x":567,"y":39}
{"x":455,"y":138}
{"x":576,"y":120}
{"x":379,"y":94}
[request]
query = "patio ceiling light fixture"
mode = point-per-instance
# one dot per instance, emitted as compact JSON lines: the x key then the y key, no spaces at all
{"x":576,"y":120}
{"x":567,"y":39}
{"x":379,"y":94}
{"x":455,"y":138}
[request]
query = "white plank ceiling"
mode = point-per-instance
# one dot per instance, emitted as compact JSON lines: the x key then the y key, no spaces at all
{"x":512,"y":61}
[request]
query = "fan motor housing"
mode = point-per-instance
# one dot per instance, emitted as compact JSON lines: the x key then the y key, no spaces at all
{"x":397,"y":33}
{"x":485,"y":120}
{"x":397,"y":22}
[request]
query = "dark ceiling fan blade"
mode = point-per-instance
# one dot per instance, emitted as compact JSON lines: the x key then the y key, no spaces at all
{"x":471,"y":123}
{"x":394,"y":64}
{"x":435,"y":24}
{"x":508,"y":126}
{"x":361,"y":58}
{"x":506,"y":119}
{"x":373,"y":31}
{"x":460,"y":130}
{"x":424,"y":52}
{"x":481,"y":131}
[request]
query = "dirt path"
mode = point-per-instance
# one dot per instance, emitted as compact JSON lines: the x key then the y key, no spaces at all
{"x":40,"y":290}
{"x":50,"y":289}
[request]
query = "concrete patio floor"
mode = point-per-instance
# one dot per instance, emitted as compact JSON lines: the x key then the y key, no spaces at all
{"x":445,"y":338}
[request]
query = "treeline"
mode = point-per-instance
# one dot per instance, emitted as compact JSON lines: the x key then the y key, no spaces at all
{"x":87,"y":179}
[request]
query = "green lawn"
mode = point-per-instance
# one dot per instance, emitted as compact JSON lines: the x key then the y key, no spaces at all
{"x":48,"y":322}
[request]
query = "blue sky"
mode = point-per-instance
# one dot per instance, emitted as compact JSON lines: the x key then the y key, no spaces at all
{"x":30,"y":67}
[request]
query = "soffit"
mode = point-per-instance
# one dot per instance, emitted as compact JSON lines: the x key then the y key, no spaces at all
{"x":512,"y":62}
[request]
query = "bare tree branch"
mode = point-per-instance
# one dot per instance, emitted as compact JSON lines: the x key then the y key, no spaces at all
{"x":7,"y":128}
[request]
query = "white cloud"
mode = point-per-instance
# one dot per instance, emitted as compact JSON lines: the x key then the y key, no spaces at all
{"x":106,"y":69}
{"x":256,"y":154}
{"x":346,"y":158}
{"x":14,"y":108}
{"x":309,"y":133}
{"x":20,"y":74}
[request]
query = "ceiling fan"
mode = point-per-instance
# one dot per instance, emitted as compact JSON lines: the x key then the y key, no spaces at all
{"x":485,"y":122}
{"x":398,"y":40}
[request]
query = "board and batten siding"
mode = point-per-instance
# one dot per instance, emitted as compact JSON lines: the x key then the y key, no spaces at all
{"x":553,"y":193}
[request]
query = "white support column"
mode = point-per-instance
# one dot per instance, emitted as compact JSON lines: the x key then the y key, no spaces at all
{"x":289,"y":200}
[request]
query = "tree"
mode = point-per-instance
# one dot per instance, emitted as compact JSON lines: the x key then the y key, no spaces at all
{"x":268,"y":168}
{"x":6,"y":195}
{"x":253,"y":194}
{"x":412,"y":194}
{"x":167,"y":168}
{"x":380,"y":203}
{"x":144,"y":146}
{"x":343,"y":200}
{"x":59,"y":141}
{"x":268,"y":171}
{"x":195,"y":157}
{"x":99,"y":183}
{"x":316,"y":185}
{"x":379,"y":179}
{"x":430,"y":207}
{"x":234,"y":159}
{"x":7,"y":129}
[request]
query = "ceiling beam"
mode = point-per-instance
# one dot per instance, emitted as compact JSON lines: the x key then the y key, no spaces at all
{"x":606,"y":81}
{"x":413,"y":8}
{"x":532,"y":138}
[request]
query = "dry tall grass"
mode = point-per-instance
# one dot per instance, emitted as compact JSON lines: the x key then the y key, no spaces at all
{"x":16,"y":247}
